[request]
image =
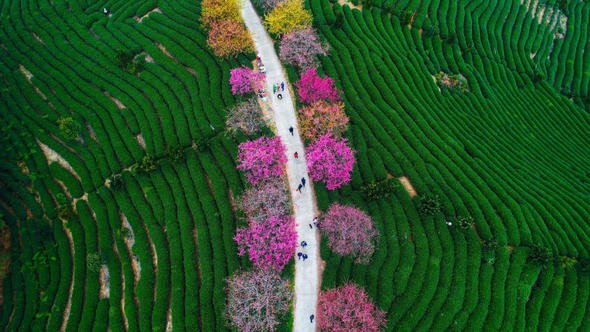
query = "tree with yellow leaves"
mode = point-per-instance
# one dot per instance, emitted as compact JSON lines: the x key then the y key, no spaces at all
{"x":217,"y":10}
{"x":286,"y":16}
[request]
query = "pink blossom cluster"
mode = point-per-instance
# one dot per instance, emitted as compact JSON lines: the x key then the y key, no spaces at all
{"x":330,"y":160}
{"x":245,"y":80}
{"x":270,"y":244}
{"x":350,"y":232}
{"x":348,"y":308}
{"x":311,"y":87}
{"x":262,"y":158}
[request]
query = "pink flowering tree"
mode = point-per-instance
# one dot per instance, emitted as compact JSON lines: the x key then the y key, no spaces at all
{"x":330,"y":160}
{"x":245,"y":80}
{"x":350,"y":232}
{"x":311,"y":87}
{"x":262,"y":158}
{"x":348,"y":308}
{"x":256,"y":300}
{"x":266,"y":199}
{"x":270,"y":244}
{"x":300,"y":48}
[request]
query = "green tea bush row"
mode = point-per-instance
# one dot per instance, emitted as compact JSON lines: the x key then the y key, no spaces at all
{"x":91,"y":282}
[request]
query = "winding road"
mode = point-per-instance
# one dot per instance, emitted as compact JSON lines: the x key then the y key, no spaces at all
{"x":307,"y":273}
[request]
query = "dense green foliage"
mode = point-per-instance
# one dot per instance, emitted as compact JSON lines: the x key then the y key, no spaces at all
{"x":380,"y":189}
{"x":509,"y":154}
{"x":164,"y":233}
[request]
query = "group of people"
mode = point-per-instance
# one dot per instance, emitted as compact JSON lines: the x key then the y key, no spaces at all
{"x":275,"y":87}
{"x":278,"y":88}
{"x":300,"y":254}
{"x":301,"y":185}
{"x":260,"y":65}
{"x":314,"y":223}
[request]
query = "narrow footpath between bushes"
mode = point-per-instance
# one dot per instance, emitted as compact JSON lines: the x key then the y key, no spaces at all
{"x":307,"y":273}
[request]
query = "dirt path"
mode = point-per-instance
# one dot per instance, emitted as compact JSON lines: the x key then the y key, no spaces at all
{"x":308,"y":272}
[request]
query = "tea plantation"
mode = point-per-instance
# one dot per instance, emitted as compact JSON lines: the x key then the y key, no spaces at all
{"x":502,"y":140}
{"x":117,"y":179}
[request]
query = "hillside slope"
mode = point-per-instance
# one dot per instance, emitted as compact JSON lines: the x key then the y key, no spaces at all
{"x":123,"y":217}
{"x":511,"y":152}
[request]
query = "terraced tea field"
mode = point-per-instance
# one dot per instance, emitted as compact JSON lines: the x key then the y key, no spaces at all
{"x":512,"y":152}
{"x":94,"y":245}
{"x":118,"y":181}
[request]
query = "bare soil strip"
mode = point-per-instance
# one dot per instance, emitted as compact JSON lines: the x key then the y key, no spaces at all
{"x":140,"y":141}
{"x":165,"y":51}
{"x":38,"y":38}
{"x":408,"y":186}
{"x":169,"y":320}
{"x":105,"y":282}
{"x":129,"y":242}
{"x":28,"y":75}
{"x":92,"y":133}
{"x":53,"y":156}
{"x":139,"y":19}
{"x":350,"y":4}
{"x":117,"y":102}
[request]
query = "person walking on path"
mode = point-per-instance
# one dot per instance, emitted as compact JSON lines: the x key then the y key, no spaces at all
{"x":274,"y":89}
{"x":299,"y":255}
{"x":303,"y":244}
{"x":303,"y":181}
{"x":304,"y":257}
{"x":291,"y":130}
{"x":296,"y":155}
{"x":311,"y":318}
{"x":299,"y":187}
{"x":282,"y":86}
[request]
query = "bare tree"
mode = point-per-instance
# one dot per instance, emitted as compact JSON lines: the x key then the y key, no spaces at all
{"x":300,"y":48}
{"x":265,"y":199}
{"x":245,"y":116}
{"x":256,"y":300}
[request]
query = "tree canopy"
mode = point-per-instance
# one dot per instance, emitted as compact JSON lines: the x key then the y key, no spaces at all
{"x":330,"y":160}
{"x":287,"y":16}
